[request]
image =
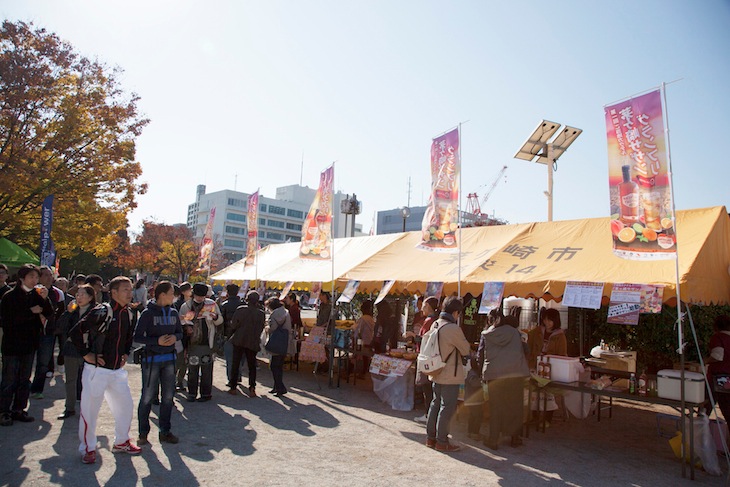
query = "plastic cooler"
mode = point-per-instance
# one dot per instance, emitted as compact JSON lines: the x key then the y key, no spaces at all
{"x":564,"y":369}
{"x":668,"y":385}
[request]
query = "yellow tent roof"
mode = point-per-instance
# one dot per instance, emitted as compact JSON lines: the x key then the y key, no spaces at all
{"x":533,"y":259}
{"x":539,"y":261}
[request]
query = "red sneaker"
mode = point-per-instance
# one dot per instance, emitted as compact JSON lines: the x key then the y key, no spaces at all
{"x":89,"y":457}
{"x":127,"y":447}
{"x":447,"y":447}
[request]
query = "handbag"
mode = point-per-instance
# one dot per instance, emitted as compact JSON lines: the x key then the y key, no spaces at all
{"x":278,"y":342}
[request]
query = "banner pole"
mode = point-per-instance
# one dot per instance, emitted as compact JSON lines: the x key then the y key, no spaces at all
{"x":680,"y":320}
{"x":333,"y":302}
{"x":460,"y":218}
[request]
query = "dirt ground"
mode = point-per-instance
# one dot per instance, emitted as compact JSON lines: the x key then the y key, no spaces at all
{"x":318,"y":435}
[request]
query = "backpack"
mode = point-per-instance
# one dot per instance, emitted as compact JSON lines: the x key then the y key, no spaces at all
{"x":429,"y":360}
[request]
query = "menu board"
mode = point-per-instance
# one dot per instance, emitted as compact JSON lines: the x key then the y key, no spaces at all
{"x":391,"y":366}
{"x":582,"y":294}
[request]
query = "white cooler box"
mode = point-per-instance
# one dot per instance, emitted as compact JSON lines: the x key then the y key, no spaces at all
{"x":564,"y":369}
{"x":668,"y":385}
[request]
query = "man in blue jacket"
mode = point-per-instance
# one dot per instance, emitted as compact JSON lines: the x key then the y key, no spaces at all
{"x":158,"y":329}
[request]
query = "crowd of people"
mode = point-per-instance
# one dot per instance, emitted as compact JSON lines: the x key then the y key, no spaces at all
{"x":174,"y":333}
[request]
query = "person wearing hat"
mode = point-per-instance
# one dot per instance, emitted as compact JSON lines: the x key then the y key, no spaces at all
{"x":246,"y":326}
{"x":200,"y":316}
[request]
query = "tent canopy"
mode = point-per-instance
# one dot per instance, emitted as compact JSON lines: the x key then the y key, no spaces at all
{"x":533,"y":260}
{"x":12,"y":255}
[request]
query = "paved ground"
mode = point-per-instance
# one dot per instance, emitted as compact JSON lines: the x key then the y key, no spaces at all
{"x":327,"y":436}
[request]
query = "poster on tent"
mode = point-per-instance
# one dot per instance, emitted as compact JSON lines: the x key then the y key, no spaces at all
{"x":261,"y":289}
{"x":314,"y":293}
{"x":492,"y":296}
{"x":243,"y":290}
{"x":434,"y":289}
{"x":287,"y":288}
{"x":206,"y":246}
{"x":581,"y":294}
{"x":625,"y":304}
{"x":642,"y":221}
{"x":349,"y":292}
{"x":387,"y":286}
{"x":317,"y":228}
{"x":252,"y":225}
{"x":652,"y":297}
{"x":441,"y":219}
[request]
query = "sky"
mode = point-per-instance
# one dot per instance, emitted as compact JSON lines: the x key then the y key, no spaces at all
{"x":242,"y":95}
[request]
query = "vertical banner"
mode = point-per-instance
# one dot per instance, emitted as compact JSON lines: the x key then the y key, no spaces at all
{"x":252,"y":223}
{"x":641,"y":199}
{"x":441,"y":219}
{"x":287,"y":288}
{"x":314,"y":293}
{"x":206,"y":246}
{"x":317,"y":228}
{"x":387,"y":286}
{"x":48,"y":250}
{"x":434,"y":289}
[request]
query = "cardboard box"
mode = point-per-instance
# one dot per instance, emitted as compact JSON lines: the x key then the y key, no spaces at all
{"x":623,"y":361}
{"x":668,"y":385}
{"x":564,"y":369}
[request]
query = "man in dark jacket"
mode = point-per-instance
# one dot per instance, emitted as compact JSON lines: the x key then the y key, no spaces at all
{"x":158,"y":329}
{"x":247,"y":325}
{"x":229,"y":307}
{"x":105,"y":352}
{"x":44,"y":357}
{"x":186,"y":292}
{"x":24,"y":311}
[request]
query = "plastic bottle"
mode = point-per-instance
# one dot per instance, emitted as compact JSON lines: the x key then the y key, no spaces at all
{"x":603,"y":344}
{"x":632,"y":384}
{"x":642,"y":383}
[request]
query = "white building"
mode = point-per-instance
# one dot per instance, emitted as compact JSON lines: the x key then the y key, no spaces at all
{"x":395,"y":220}
{"x":280,"y":218}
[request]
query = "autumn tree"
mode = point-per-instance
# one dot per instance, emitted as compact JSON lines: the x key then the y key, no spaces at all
{"x":66,"y":128}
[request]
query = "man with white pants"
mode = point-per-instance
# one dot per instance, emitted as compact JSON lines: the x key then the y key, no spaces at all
{"x":105,"y":343}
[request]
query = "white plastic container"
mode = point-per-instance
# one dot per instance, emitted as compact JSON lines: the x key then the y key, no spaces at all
{"x":564,"y":369}
{"x":668,"y":385}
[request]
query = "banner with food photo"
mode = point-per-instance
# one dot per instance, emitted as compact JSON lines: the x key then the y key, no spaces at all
{"x":206,"y":246}
{"x":652,"y":296}
{"x":317,"y":229}
{"x":434,"y":289}
{"x":625,"y":304}
{"x":314,"y":293}
{"x":252,"y":224}
{"x":642,"y":222}
{"x":441,"y":219}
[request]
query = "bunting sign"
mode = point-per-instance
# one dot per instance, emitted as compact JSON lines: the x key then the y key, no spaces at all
{"x":642,"y":221}
{"x":441,"y":219}
{"x":252,"y":222}
{"x":317,"y":228}
{"x":48,"y":250}
{"x":206,"y":247}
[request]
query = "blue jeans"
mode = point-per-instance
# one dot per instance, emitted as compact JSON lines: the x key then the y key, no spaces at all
{"x":443,"y":408}
{"x":157,"y":374}
{"x":15,"y":386}
{"x":44,"y":355}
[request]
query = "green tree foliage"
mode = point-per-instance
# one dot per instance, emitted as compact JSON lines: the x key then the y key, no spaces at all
{"x":66,"y":128}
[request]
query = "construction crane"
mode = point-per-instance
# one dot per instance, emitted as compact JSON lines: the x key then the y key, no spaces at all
{"x":472,"y":203}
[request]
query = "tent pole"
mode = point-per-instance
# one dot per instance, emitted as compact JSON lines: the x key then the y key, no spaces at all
{"x":680,"y":317}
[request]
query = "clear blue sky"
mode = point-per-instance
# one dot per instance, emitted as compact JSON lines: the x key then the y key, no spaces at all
{"x":245,"y":88}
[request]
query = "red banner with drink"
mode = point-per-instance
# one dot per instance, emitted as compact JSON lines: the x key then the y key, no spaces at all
{"x":206,"y":246}
{"x":642,"y":222}
{"x":317,"y":229}
{"x":441,"y":219}
{"x":252,"y":223}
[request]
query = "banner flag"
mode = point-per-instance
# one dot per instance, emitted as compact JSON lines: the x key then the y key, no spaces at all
{"x":642,"y":222}
{"x":349,"y":292}
{"x":48,"y":250}
{"x":492,"y":296}
{"x":287,"y":287}
{"x":441,"y":219}
{"x":314,"y":293}
{"x":252,"y":223}
{"x":206,"y":246}
{"x":317,"y":228}
{"x":387,"y":286}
